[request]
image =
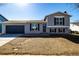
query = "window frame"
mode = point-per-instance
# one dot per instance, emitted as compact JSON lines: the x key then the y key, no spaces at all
{"x":59,"y":20}
{"x":53,"y":30}
{"x":34,"y":24}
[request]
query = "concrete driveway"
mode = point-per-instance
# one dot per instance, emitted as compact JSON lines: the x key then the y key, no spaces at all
{"x":5,"y":38}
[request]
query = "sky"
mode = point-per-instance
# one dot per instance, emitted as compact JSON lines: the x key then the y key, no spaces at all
{"x":36,"y":11}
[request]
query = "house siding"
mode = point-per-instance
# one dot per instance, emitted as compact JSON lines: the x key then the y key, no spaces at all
{"x":51,"y":21}
{"x":3,"y":28}
{"x":67,"y":21}
{"x":28,"y":31}
{"x":49,"y":25}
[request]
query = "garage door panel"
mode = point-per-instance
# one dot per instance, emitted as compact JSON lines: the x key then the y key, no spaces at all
{"x":14,"y":29}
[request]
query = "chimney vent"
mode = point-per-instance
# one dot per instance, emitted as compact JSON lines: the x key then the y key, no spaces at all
{"x":65,"y":11}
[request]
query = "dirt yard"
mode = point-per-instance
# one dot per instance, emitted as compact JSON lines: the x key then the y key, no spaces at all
{"x":58,"y":45}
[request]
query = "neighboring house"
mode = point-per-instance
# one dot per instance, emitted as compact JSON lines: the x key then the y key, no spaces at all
{"x":74,"y":26}
{"x":56,"y":23}
{"x":2,"y":19}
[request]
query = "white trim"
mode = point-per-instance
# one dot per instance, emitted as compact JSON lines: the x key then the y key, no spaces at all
{"x":59,"y":16}
{"x":58,"y":26}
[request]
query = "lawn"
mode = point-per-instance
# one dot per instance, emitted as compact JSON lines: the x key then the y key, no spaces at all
{"x":51,"y":45}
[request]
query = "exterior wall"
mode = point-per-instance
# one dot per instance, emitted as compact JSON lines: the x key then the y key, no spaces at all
{"x":0,"y":27}
{"x":66,"y":30}
{"x":27,"y":29}
{"x":67,"y":21}
{"x":3,"y":28}
{"x":50,"y":23}
{"x":50,"y":20}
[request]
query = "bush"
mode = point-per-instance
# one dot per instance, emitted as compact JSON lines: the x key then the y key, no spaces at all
{"x":75,"y":32}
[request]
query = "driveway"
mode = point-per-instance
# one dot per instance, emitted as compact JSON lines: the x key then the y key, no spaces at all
{"x":5,"y":38}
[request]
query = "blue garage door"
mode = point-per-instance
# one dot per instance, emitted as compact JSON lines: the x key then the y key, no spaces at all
{"x":15,"y":29}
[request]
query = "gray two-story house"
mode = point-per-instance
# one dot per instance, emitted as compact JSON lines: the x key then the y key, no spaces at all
{"x":55,"y":23}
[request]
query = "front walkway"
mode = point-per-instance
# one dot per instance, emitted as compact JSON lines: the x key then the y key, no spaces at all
{"x":5,"y":38}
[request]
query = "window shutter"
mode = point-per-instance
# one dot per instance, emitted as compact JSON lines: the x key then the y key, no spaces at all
{"x":30,"y":27}
{"x":38,"y":27}
{"x":54,"y":21}
{"x":63,"y":21}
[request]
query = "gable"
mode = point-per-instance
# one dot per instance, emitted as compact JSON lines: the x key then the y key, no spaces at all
{"x":59,"y":14}
{"x":2,"y":18}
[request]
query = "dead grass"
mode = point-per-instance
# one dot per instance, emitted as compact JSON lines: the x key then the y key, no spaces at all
{"x":40,"y":46}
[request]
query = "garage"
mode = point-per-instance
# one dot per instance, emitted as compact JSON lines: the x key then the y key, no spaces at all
{"x":15,"y":29}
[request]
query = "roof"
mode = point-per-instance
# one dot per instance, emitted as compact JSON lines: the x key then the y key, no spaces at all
{"x":24,"y":22}
{"x":2,"y":18}
{"x":58,"y":13}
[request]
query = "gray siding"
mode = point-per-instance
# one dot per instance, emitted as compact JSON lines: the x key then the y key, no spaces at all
{"x":27,"y":29}
{"x":50,"y":20}
{"x":67,"y":21}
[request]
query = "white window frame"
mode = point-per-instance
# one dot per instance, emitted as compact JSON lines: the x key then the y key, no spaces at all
{"x":34,"y":25}
{"x":59,"y":19}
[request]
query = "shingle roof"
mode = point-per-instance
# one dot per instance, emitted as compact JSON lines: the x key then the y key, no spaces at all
{"x":2,"y":18}
{"x":57,"y":13}
{"x":32,"y":21}
{"x":66,"y":14}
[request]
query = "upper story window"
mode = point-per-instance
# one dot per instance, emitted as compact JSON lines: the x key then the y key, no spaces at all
{"x":34,"y":27}
{"x":58,"y":20}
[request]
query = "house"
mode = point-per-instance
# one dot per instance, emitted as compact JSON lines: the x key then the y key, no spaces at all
{"x":2,"y":19}
{"x":55,"y":23}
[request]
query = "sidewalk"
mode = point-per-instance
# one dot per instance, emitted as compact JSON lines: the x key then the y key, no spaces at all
{"x":5,"y":40}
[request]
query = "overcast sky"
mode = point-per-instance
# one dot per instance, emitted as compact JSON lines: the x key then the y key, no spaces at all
{"x":36,"y":11}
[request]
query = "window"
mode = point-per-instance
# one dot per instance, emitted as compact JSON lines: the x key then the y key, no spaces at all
{"x":44,"y":27}
{"x":61,"y":29}
{"x":63,"y":21}
{"x":53,"y":30}
{"x":58,"y":21}
{"x":34,"y":27}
